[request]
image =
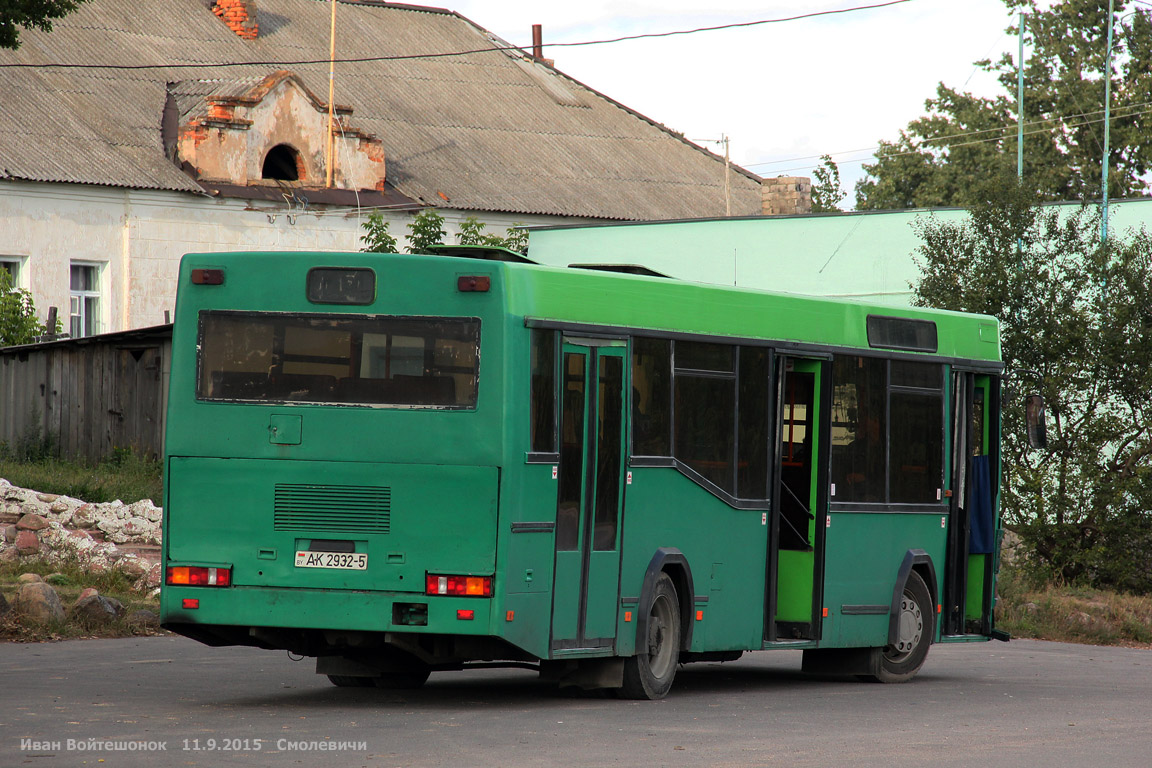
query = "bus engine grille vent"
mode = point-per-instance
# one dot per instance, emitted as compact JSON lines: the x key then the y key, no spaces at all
{"x":327,"y":508}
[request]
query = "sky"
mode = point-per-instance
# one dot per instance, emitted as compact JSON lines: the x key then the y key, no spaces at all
{"x":784,"y":93}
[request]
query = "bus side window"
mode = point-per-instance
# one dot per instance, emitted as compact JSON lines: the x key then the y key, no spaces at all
{"x":859,"y":428}
{"x":651,"y":397}
{"x":542,"y":419}
{"x":705,"y":415}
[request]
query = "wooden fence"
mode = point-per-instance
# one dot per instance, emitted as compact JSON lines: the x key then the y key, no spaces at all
{"x":89,"y":396}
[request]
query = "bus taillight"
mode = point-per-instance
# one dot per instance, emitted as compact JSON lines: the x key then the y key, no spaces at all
{"x":476,"y":283}
{"x":198,"y":576}
{"x":461,"y":586}
{"x":208,"y":277}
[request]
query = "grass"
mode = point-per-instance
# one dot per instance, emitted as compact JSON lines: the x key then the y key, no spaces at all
{"x":1071,"y":614}
{"x":69,"y":579}
{"x":124,"y":476}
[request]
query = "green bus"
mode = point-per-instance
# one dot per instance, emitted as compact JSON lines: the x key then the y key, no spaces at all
{"x":400,"y":464}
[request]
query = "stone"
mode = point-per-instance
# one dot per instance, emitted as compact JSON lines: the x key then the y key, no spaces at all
{"x":47,"y":498}
{"x":154,"y":575}
{"x":9,"y":555}
{"x":27,"y":543}
{"x":1081,"y":619}
{"x":144,"y":618}
{"x":85,"y":516}
{"x":29,"y":578}
{"x":31,"y":522}
{"x":38,"y":602}
{"x":135,"y":528}
{"x":88,"y":592}
{"x":96,"y":611}
{"x":9,"y":533}
{"x":133,"y":566}
{"x":4,"y":607}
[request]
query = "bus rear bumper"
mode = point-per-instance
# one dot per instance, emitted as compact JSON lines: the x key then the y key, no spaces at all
{"x":324,"y":610}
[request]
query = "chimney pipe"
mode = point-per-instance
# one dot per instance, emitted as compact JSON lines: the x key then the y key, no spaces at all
{"x":537,"y":42}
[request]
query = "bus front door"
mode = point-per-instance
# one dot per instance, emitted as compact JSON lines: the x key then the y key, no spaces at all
{"x":796,"y":540}
{"x":589,"y":496}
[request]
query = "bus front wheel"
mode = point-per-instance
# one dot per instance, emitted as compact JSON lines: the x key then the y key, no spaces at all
{"x":900,"y":661}
{"x":649,"y":674}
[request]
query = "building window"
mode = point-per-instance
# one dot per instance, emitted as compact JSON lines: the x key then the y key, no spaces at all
{"x":283,"y":163}
{"x":12,"y":267}
{"x":84,"y":300}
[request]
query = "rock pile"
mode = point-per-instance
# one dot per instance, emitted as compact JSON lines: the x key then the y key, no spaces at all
{"x":115,"y":535}
{"x":37,"y":601}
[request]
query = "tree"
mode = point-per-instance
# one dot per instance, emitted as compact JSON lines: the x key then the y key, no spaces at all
{"x":826,"y":192}
{"x":29,"y":14}
{"x":1078,"y":313}
{"x":376,"y":237}
{"x":963,"y":137}
{"x":472,"y":233}
{"x":18,"y":323}
{"x":425,"y":230}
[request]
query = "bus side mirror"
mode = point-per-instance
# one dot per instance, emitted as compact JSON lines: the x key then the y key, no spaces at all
{"x":1034,"y":417}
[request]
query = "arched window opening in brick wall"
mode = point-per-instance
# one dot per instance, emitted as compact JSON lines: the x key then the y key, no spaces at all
{"x":284,"y":163}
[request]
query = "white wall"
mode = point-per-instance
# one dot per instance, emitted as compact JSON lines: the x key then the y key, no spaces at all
{"x":139,"y":236}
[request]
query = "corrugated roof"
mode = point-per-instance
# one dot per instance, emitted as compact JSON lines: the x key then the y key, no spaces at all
{"x":490,"y":131}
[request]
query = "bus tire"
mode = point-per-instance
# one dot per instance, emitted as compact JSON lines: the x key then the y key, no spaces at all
{"x":649,"y":674}
{"x":408,"y":679}
{"x":350,"y":681}
{"x":899,"y":662}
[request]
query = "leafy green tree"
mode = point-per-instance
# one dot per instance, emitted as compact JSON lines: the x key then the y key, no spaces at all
{"x":1078,"y":313}
{"x":29,"y":14}
{"x":18,"y":323}
{"x":376,"y":237}
{"x":963,"y":137}
{"x":472,"y":233}
{"x":425,"y":230}
{"x":826,"y":191}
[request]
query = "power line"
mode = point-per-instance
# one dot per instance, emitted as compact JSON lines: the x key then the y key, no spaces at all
{"x":1003,"y":132}
{"x":449,"y":54}
{"x":916,"y":149}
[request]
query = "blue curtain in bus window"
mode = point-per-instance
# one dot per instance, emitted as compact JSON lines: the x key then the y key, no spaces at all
{"x":980,"y":505}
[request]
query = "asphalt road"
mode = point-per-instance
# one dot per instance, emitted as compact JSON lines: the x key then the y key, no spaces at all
{"x":1025,"y":703}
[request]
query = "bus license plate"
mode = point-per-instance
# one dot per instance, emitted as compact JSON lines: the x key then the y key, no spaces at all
{"x":345,"y":561}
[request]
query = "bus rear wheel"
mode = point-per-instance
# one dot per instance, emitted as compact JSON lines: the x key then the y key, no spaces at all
{"x":649,"y":674}
{"x":407,"y":679}
{"x":350,"y":681}
{"x":900,"y":661}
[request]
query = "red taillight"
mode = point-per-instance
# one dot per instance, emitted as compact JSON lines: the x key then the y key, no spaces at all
{"x":198,"y":576}
{"x":476,"y":283}
{"x":190,"y":603}
{"x":466,"y":614}
{"x":208,"y":277}
{"x":460,"y":586}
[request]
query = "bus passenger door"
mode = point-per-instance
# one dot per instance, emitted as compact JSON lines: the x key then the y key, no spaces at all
{"x":972,"y":533}
{"x":799,"y":508}
{"x":592,"y":419}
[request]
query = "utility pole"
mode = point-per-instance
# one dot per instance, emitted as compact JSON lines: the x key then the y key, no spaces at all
{"x":727,"y":178}
{"x":331,"y":155}
{"x":1020,"y":105}
{"x":1107,"y":126}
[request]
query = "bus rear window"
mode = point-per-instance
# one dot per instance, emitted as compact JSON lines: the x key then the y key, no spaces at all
{"x":356,"y":359}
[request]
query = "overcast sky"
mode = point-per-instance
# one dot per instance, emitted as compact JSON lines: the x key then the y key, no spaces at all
{"x":797,"y":89}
